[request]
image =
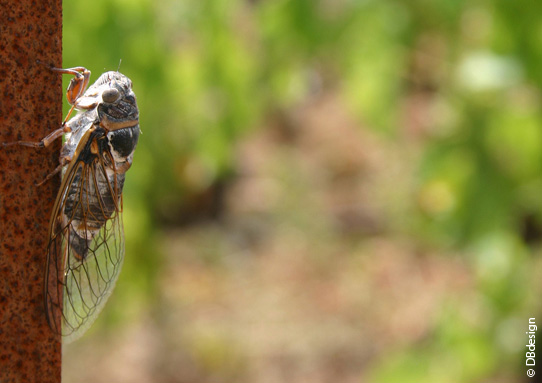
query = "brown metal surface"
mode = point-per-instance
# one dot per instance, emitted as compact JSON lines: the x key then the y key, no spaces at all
{"x":30,"y":108}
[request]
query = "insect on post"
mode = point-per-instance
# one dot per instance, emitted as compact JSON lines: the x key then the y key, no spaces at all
{"x":85,"y":249}
{"x":84,"y":246}
{"x":86,"y":238}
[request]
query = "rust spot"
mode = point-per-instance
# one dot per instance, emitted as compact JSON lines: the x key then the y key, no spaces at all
{"x":31,"y":107}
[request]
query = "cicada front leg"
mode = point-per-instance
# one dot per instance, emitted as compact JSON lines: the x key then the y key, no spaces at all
{"x":77,"y":86}
{"x":76,"y":89}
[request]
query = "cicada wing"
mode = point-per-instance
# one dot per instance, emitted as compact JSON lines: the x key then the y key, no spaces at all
{"x":88,"y":282}
{"x":54,"y":281}
{"x":86,"y":247}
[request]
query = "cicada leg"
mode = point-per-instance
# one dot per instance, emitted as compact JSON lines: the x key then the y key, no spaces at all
{"x":76,"y":89}
{"x":63,"y":162}
{"x":77,"y":85}
{"x":42,"y":144}
{"x":45,"y":142}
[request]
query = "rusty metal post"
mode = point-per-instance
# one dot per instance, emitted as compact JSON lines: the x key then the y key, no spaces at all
{"x":30,"y":107}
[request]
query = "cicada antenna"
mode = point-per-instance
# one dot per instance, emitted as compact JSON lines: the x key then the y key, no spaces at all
{"x":118,"y":68}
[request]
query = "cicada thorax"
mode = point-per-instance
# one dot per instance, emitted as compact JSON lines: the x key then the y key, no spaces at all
{"x":95,"y":191}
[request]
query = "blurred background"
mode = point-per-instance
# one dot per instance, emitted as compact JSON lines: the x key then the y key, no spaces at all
{"x":324,"y":191}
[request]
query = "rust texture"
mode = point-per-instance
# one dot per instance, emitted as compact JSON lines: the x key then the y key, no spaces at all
{"x":30,"y":108}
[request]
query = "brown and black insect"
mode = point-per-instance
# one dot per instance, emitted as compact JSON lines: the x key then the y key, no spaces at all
{"x":86,"y":238}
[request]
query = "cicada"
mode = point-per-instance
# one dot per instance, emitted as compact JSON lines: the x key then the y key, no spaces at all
{"x":85,"y":251}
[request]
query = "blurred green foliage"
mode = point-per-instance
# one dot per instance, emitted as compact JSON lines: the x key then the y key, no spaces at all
{"x":209,"y":72}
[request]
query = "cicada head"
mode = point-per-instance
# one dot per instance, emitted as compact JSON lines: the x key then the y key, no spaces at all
{"x":118,"y":106}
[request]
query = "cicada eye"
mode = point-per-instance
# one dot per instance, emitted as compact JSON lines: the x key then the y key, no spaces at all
{"x":110,"y":95}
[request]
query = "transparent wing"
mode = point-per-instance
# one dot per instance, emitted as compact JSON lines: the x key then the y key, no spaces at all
{"x":86,"y":247}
